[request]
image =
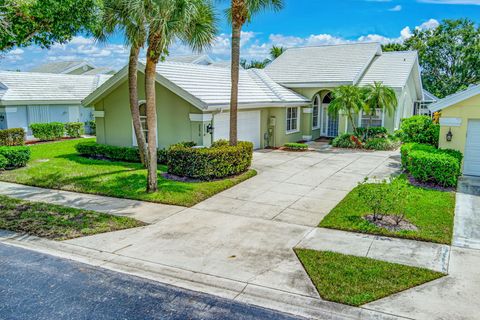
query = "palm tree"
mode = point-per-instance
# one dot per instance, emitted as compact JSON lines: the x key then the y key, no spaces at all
{"x":276,"y":52}
{"x":240,"y":12}
{"x":254,"y":64}
{"x":190,"y":21}
{"x":118,"y":15}
{"x":379,"y":96}
{"x":348,"y":99}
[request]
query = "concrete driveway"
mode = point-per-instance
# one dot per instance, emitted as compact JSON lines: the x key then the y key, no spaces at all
{"x":246,"y":234}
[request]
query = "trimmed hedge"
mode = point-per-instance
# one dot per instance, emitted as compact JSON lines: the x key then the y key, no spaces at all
{"x":16,"y":157}
{"x":127,"y":154}
{"x":3,"y":162}
{"x":74,"y":129}
{"x":12,"y":137}
{"x":429,"y":164}
{"x":217,"y":162}
{"x":296,"y":146}
{"x":48,"y":131}
{"x":420,"y":129}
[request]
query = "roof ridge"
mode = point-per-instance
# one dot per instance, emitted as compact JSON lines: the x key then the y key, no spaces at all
{"x":334,"y":45}
{"x":267,"y":81}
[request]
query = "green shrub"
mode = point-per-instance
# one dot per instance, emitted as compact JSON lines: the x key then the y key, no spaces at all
{"x":48,"y":131}
{"x":372,"y":132}
{"x":187,"y":144}
{"x":438,"y":168}
{"x":420,"y":129}
{"x":220,"y":143}
{"x":127,"y":154}
{"x":381,"y":144}
{"x":429,"y":164}
{"x":296,"y":146}
{"x":344,"y":141}
{"x":219,"y":161}
{"x":16,"y":156}
{"x":3,"y":162}
{"x":12,"y":137}
{"x":74,"y":129}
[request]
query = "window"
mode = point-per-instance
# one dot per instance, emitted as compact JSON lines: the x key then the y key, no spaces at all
{"x":292,"y":120}
{"x":316,"y":113}
{"x":328,"y":98}
{"x":374,"y":121}
{"x":143,"y":119}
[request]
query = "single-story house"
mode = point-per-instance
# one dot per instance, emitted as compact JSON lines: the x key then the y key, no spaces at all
{"x":286,"y":102}
{"x":460,"y":126}
{"x":27,"y":97}
{"x":71,"y":67}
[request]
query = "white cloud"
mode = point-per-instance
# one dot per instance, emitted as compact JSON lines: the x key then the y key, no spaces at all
{"x":17,"y":52}
{"x":396,"y":8}
{"x":464,"y":2}
{"x":430,"y":24}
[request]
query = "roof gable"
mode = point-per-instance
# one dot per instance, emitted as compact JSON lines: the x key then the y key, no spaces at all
{"x":455,"y":98}
{"x":331,"y":65}
{"x":62,"y":67}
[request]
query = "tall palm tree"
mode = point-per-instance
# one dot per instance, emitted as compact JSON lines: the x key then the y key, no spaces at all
{"x":118,"y":15}
{"x":379,"y":96}
{"x":276,"y":52}
{"x":240,"y":12}
{"x":349,"y":100}
{"x":193,"y":22}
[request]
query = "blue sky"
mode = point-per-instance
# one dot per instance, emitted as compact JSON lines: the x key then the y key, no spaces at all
{"x":301,"y":23}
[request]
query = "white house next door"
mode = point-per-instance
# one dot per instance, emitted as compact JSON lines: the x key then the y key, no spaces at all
{"x":471,"y":166}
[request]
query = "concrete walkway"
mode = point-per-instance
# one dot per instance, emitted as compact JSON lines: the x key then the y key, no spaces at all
{"x":467,"y":214}
{"x":238,"y":244}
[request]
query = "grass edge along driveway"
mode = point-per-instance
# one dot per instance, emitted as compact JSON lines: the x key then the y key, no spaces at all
{"x":356,"y":280}
{"x":58,"y":222}
{"x":57,"y":165}
{"x":431,"y":211}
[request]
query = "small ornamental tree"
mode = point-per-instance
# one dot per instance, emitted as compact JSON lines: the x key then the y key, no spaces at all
{"x":374,"y":195}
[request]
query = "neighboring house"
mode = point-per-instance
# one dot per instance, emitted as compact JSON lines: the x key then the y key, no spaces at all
{"x":71,"y":67}
{"x":27,"y":98}
{"x":201,"y":59}
{"x":286,"y":102}
{"x":421,"y":107}
{"x":460,"y":123}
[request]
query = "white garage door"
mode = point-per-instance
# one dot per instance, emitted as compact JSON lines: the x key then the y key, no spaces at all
{"x":471,"y":165}
{"x":248,"y":127}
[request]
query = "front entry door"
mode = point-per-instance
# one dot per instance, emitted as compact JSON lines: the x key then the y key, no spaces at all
{"x":329,"y":124}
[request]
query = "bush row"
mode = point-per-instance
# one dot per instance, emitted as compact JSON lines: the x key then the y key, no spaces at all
{"x":429,"y":164}
{"x":92,"y":149}
{"x":219,"y":161}
{"x":371,"y":139}
{"x":12,"y":137}
{"x":14,"y":157}
{"x":57,"y":130}
{"x":296,"y":146}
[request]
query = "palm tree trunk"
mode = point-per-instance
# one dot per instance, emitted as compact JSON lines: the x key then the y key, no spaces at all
{"x":235,"y":74}
{"x":133,"y":94}
{"x":150,"y":74}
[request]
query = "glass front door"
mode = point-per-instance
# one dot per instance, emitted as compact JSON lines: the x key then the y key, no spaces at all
{"x":329,"y":124}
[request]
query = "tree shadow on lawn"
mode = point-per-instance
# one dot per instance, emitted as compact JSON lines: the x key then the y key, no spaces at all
{"x":98,"y":162}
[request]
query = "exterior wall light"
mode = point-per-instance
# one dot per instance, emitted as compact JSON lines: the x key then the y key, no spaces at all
{"x":449,"y":135}
{"x":210,"y":128}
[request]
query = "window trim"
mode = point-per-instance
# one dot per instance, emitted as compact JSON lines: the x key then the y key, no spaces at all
{"x":382,"y":118}
{"x":319,"y":105}
{"x":286,"y":121}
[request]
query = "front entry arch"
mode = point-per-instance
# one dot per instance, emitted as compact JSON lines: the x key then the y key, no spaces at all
{"x":328,"y":123}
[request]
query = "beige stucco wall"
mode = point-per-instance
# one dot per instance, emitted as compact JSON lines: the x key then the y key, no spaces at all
{"x":465,"y":110}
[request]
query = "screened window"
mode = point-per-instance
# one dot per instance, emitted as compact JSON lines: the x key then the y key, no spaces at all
{"x":292,"y":119}
{"x":374,"y":121}
{"x":316,"y":113}
{"x":143,"y":119}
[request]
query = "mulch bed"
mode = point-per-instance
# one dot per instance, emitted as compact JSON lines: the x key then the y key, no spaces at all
{"x":428,"y":185}
{"x":387,"y":222}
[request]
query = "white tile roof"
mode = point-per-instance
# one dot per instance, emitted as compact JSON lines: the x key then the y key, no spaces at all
{"x":60,"y":66}
{"x":30,"y":87}
{"x":391,"y":68}
{"x":455,"y":98}
{"x":211,"y":85}
{"x":192,"y":58}
{"x":324,"y":65}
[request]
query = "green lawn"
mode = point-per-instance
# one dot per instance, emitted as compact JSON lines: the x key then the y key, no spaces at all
{"x":58,"y":166}
{"x":57,"y":222}
{"x":358,"y":280}
{"x":430,"y":210}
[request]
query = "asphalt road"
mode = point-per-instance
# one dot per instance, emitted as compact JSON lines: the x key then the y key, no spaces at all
{"x":38,"y":286}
